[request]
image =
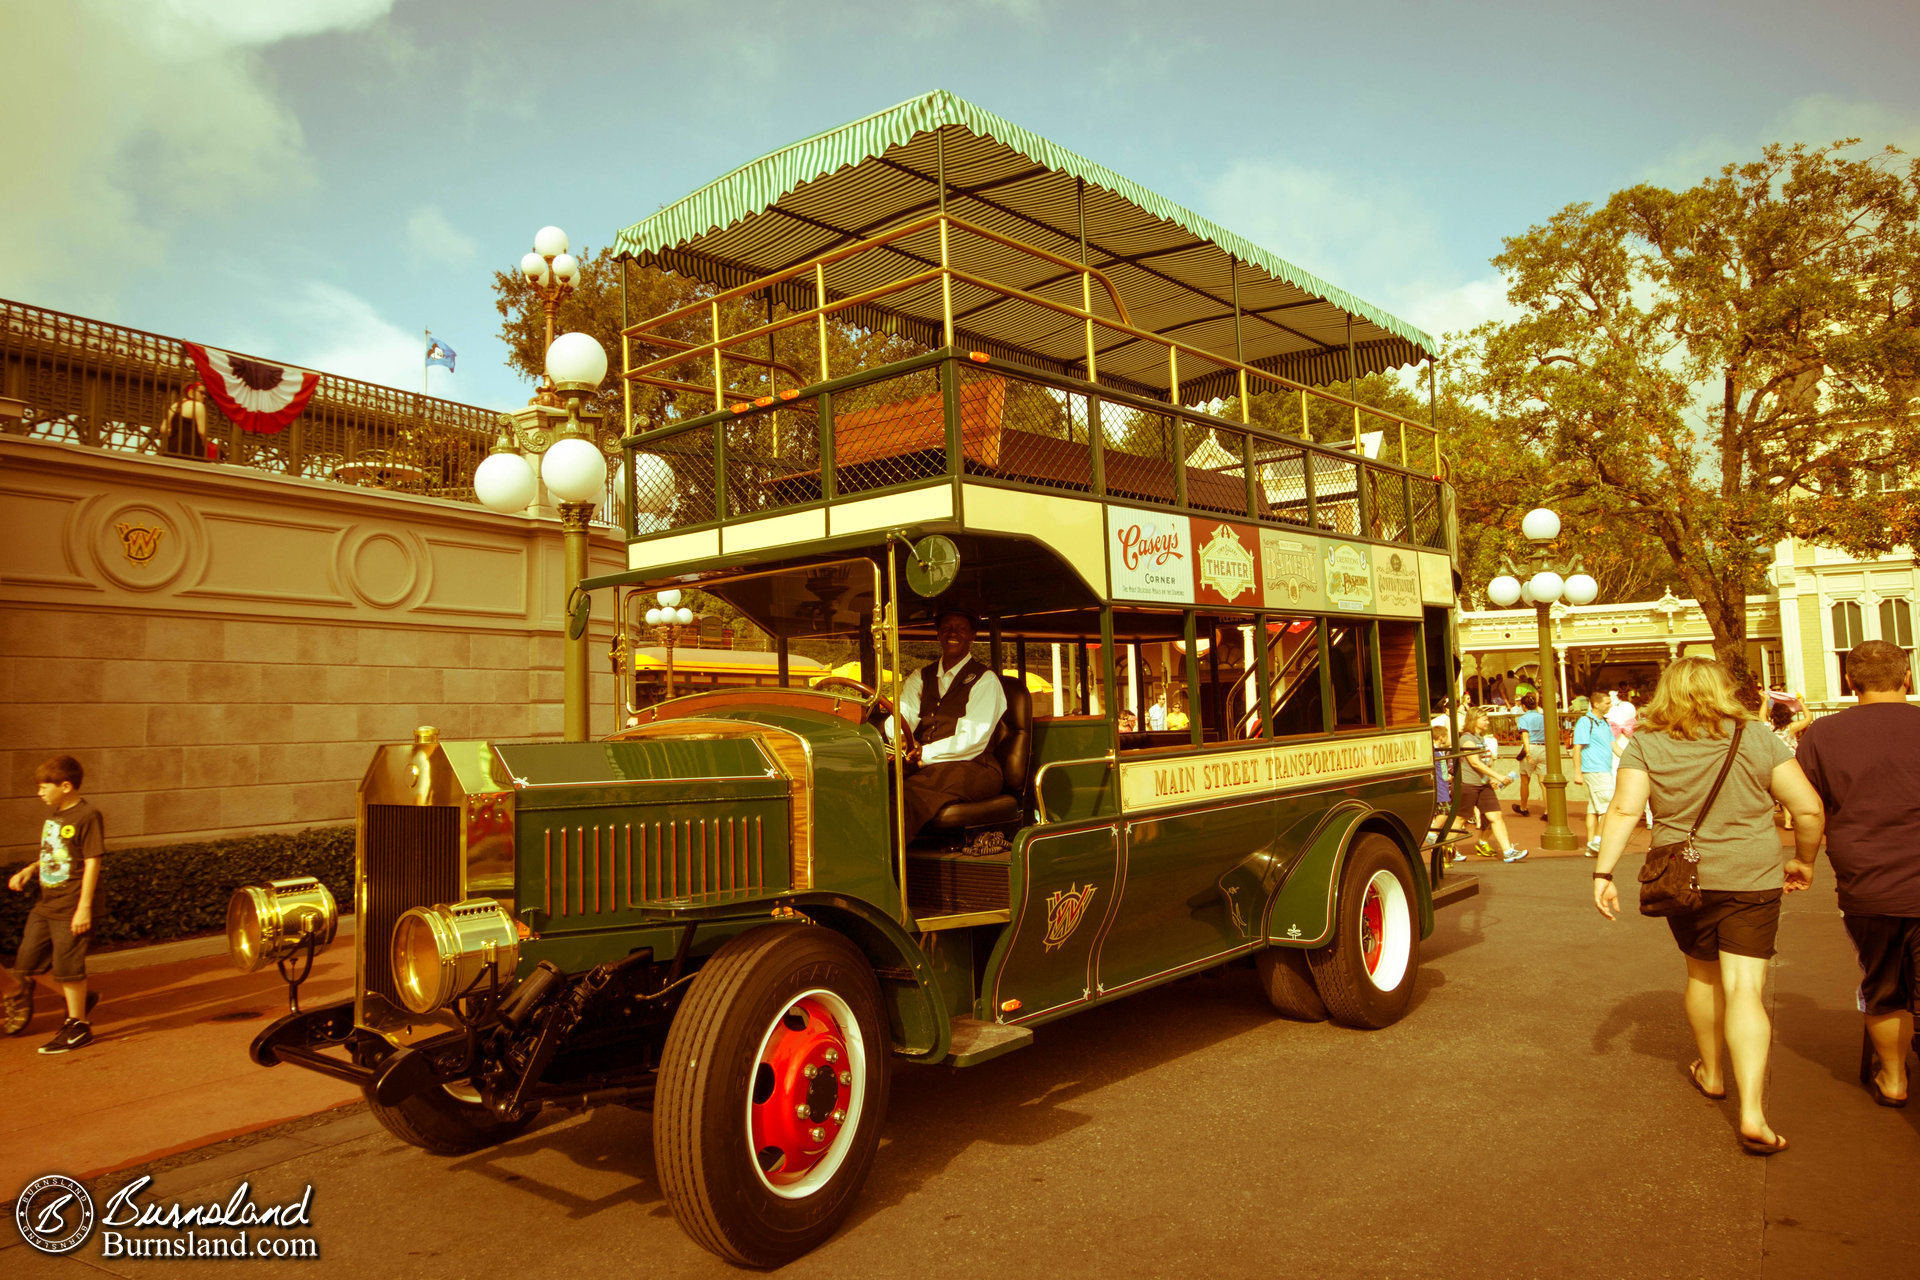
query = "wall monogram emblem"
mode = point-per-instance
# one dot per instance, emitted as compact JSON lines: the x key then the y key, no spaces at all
{"x":140,"y":542}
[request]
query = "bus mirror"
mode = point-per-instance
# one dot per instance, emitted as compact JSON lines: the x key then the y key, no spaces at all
{"x":934,"y":566}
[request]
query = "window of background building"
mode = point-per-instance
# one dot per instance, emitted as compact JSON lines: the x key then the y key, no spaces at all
{"x":1896,"y":626}
{"x":1847,"y":632}
{"x":1773,"y":665}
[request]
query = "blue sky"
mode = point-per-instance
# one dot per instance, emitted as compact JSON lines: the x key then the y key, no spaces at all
{"x":319,"y":180}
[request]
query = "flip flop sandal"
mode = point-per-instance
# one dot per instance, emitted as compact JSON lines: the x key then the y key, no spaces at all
{"x":1761,"y":1147}
{"x":1693,"y":1078}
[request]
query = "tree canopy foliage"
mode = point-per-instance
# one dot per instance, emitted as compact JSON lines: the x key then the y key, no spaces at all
{"x":1718,"y":367}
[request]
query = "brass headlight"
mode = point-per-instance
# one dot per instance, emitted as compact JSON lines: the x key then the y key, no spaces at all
{"x":438,"y":952}
{"x":272,"y":921}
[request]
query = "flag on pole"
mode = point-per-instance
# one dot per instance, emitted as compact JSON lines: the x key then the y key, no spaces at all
{"x":439,"y":352}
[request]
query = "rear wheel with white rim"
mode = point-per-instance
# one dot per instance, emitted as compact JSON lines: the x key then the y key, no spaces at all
{"x":771,"y":1092}
{"x":1366,"y":973}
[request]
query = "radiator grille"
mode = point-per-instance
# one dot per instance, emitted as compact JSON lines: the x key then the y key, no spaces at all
{"x":606,"y":867}
{"x":412,"y":860}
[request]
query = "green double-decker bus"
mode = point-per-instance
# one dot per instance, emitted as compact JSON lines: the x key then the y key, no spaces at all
{"x":1088,"y":417}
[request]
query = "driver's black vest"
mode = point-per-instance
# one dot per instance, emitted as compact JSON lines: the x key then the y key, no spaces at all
{"x":939,"y":716}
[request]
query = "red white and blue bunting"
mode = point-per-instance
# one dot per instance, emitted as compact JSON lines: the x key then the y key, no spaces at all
{"x":259,"y":397}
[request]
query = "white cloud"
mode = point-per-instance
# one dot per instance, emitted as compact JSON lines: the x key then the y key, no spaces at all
{"x":1817,"y":119}
{"x":1371,"y":241}
{"x":126,"y":116}
{"x":244,"y":22}
{"x":432,"y":237}
{"x":333,"y":330}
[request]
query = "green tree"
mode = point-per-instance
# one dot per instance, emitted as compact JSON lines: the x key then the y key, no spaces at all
{"x":1720,"y":366}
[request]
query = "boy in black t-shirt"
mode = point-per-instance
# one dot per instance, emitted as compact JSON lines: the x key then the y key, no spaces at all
{"x":71,"y":843}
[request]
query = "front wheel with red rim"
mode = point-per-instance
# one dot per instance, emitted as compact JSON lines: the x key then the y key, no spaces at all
{"x":1366,"y":973}
{"x":771,"y":1090}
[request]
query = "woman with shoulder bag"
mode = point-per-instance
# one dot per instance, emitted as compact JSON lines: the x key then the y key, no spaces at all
{"x":1713,"y":777}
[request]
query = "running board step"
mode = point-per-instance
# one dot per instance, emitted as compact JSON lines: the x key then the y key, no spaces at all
{"x":1457,"y":887}
{"x":975,"y":1042}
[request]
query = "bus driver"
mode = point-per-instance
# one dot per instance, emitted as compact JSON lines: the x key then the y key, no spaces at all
{"x":949,"y":760}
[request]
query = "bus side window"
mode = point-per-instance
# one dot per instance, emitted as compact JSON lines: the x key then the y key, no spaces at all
{"x":1400,"y":673}
{"x":1293,"y":666}
{"x":1229,"y":696}
{"x":1352,"y":675}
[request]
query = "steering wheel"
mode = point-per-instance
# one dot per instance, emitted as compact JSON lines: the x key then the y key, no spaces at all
{"x":873,"y":704}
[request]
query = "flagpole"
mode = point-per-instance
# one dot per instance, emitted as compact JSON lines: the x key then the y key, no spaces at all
{"x":426,"y":364}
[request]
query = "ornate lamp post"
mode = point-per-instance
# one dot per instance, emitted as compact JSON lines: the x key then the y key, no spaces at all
{"x":552,"y":270}
{"x":666,"y":622}
{"x":1545,"y":585}
{"x":558,"y":430}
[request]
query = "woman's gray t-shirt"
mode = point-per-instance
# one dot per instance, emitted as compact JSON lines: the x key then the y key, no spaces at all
{"x":1739,"y":846}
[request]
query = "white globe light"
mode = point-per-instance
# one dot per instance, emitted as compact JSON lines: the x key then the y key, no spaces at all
{"x":549,"y":242}
{"x":1546,"y":586}
{"x":504,"y":482}
{"x":574,"y":470}
{"x":577,"y":357}
{"x":668,"y":598}
{"x":653,"y":484}
{"x":1541,"y":525}
{"x":1504,"y":590}
{"x":684,"y":616}
{"x":565,"y":268}
{"x":1581,"y":589}
{"x":653,"y":617}
{"x":533,"y":266}
{"x":1526,"y":592}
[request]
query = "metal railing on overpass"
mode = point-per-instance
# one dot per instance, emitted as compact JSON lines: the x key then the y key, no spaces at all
{"x":87,"y":381}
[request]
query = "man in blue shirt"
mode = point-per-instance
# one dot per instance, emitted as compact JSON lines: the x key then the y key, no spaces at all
{"x":1531,"y":722}
{"x":1593,"y":739}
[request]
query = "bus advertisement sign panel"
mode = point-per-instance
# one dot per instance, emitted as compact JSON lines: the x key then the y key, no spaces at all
{"x":1150,"y":555}
{"x":1290,"y":570}
{"x":1396,"y":582}
{"x":1349,"y":580}
{"x":1226,"y":569}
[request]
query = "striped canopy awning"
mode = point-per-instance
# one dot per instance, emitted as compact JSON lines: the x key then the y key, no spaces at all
{"x":1177,"y":273}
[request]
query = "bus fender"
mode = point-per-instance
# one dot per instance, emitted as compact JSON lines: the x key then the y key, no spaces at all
{"x":1304,"y":909}
{"x":916,"y":1011}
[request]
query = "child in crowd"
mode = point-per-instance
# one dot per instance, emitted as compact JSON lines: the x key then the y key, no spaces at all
{"x":71,"y":844}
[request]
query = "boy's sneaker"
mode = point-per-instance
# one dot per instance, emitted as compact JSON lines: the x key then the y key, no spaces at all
{"x":1515,"y":854}
{"x":1593,"y":848}
{"x":71,"y":1035}
{"x":1485,"y":850}
{"x":1457,"y":856}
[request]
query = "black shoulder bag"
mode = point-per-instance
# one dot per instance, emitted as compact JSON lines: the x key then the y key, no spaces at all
{"x":1670,"y":878}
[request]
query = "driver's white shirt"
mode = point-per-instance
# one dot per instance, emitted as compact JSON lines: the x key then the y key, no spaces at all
{"x":985,"y":706}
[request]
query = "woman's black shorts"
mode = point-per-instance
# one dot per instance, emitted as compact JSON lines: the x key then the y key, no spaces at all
{"x":1482,"y":797}
{"x":1889,"y":951}
{"x":1742,"y":924}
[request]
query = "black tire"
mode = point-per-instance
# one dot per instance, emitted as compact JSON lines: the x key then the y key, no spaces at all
{"x":1287,"y":978}
{"x":445,"y":1124}
{"x":1363,"y":987}
{"x":741,"y":1005}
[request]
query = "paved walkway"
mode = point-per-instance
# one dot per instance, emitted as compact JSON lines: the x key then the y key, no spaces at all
{"x":168,"y":1068}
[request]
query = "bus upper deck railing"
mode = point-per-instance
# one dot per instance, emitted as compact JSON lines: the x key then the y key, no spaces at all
{"x":942,"y":416}
{"x":1421,"y":450}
